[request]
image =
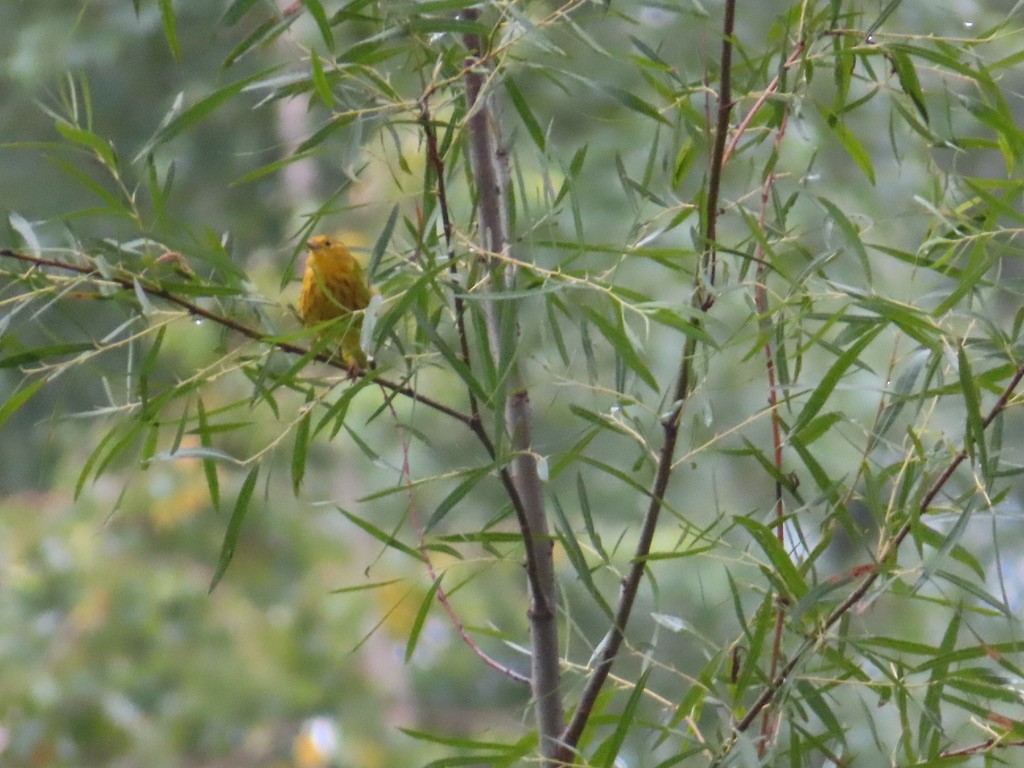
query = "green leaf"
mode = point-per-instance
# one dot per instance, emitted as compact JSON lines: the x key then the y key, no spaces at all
{"x":616,"y":336}
{"x":588,"y":518}
{"x":209,"y":465}
{"x":382,"y":243}
{"x":227,"y":550}
{"x":316,"y":10}
{"x":850,"y":234}
{"x":336,"y":123}
{"x":832,"y":377}
{"x":269,"y":168}
{"x":457,"y":495}
{"x":907,"y":75}
{"x":263,"y":33}
{"x":40,"y":354}
{"x":631,"y":101}
{"x":817,"y":427}
{"x":320,"y":84}
{"x":672,"y":319}
{"x":787,"y":573}
{"x":100,"y":146}
{"x":578,"y":559}
{"x":884,"y":14}
{"x":428,"y":25}
{"x":236,"y":11}
{"x":939,"y":541}
{"x":625,"y":723}
{"x":811,"y":696}
{"x":301,"y":447}
{"x":456,"y":363}
{"x":852,"y":145}
{"x":24,"y":228}
{"x":974,"y":271}
{"x":199,"y":112}
{"x":523,"y":108}
{"x":385,"y":538}
{"x":972,"y":405}
{"x":421,"y":618}
{"x":170,"y":27}
{"x":18,"y":399}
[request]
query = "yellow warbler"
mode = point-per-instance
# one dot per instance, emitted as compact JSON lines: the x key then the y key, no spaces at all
{"x":335,"y":286}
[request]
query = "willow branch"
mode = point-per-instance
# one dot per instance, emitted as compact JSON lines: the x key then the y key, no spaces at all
{"x":631,"y":584}
{"x":710,"y":257}
{"x":978,"y":749}
{"x":436,"y":163}
{"x":487,"y":162}
{"x":773,"y":86}
{"x":761,"y":303}
{"x":885,"y":553}
{"x":151,"y":288}
{"x":703,"y":298}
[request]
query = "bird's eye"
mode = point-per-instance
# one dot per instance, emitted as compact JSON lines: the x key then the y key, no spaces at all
{"x":327,"y":242}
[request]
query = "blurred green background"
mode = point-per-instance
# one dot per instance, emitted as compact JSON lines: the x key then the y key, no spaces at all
{"x":112,"y":651}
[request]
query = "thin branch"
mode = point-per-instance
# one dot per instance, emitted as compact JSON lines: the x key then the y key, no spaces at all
{"x":703,"y":298}
{"x":436,"y":162}
{"x":435,"y":577}
{"x":871,"y":576}
{"x":631,"y":584}
{"x":985,"y":746}
{"x":761,"y":303}
{"x":773,"y":86}
{"x":490,"y":177}
{"x":710,"y":256}
{"x":128,"y":282}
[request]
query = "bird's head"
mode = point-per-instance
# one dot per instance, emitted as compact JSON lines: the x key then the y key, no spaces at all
{"x":323,"y":243}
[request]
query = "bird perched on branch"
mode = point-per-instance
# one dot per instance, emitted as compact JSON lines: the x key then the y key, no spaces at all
{"x":335,"y":286}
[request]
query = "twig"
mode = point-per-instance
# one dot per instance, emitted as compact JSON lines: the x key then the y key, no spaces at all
{"x":436,"y":163}
{"x":709,"y":258}
{"x":870,"y":577}
{"x":761,"y":302}
{"x":703,"y":298}
{"x":984,"y":746}
{"x":631,"y":583}
{"x":153,"y":289}
{"x":773,"y":86}
{"x":424,"y":550}
{"x":490,"y":182}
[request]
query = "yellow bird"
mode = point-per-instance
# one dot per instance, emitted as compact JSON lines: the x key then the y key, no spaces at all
{"x":335,"y":286}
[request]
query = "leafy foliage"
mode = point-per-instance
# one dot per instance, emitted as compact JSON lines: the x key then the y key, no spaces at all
{"x":749,"y":350}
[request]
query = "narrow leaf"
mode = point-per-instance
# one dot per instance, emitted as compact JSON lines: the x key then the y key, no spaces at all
{"x":170,"y":28}
{"x":385,"y":538}
{"x":616,"y":336}
{"x":972,"y":405}
{"x":832,"y":377}
{"x":18,"y":399}
{"x":316,"y":10}
{"x":198,"y":112}
{"x":420,"y":620}
{"x":857,"y":152}
{"x":382,"y":243}
{"x":522,"y":106}
{"x":301,"y":447}
{"x":457,"y":495}
{"x":783,"y":566}
{"x":227,"y":550}
{"x":323,"y":88}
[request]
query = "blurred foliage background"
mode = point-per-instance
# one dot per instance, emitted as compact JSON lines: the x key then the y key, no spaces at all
{"x":113,"y":651}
